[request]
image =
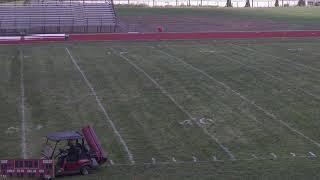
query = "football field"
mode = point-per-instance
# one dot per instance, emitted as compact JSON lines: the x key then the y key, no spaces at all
{"x":200,"y":107}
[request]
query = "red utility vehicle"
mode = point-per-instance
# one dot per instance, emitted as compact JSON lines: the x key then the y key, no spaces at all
{"x":85,"y":154}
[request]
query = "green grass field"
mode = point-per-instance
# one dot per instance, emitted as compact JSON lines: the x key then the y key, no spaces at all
{"x":251,"y":104}
{"x":297,"y":16}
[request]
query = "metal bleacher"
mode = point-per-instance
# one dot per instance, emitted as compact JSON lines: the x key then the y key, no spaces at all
{"x":57,"y":17}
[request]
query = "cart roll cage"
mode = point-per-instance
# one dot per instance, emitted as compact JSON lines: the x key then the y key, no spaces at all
{"x":62,"y":136}
{"x":89,"y":136}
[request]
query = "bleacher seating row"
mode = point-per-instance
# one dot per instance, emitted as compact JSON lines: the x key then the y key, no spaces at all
{"x":24,"y":18}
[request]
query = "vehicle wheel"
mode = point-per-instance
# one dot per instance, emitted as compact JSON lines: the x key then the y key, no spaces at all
{"x":84,"y":170}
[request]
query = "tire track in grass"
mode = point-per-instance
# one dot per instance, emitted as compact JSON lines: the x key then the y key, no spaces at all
{"x":282,"y":66}
{"x":146,"y":116}
{"x":293,"y":90}
{"x":137,"y":106}
{"x":306,"y":81}
{"x":224,"y":148}
{"x":243,"y":128}
{"x":277,"y":57}
{"x":244,"y":70}
{"x":272,"y":76}
{"x":22,"y":108}
{"x":122,"y":141}
{"x":271,"y":115}
{"x":302,"y":52}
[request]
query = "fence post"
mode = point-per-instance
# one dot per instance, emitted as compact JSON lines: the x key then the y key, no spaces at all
{"x":87,"y":24}
{"x":72,"y":30}
{"x":29,"y":23}
{"x":59,"y":25}
{"x":44,"y":25}
{"x":100,"y":23}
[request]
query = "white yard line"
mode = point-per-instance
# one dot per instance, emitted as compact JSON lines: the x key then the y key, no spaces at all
{"x":22,"y":107}
{"x":312,"y":154}
{"x":276,"y":57}
{"x":242,"y":97}
{"x":124,"y":144}
{"x":165,"y":92}
{"x":274,"y":155}
{"x":194,"y":159}
{"x":254,"y":156}
{"x":272,"y":76}
{"x":214,"y":158}
{"x":174,"y":159}
{"x":153,"y":160}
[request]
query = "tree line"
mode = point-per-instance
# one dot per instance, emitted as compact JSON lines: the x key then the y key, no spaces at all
{"x":276,"y":4}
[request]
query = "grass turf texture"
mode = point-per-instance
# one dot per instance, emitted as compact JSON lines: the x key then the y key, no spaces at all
{"x":299,"y":16}
{"x":279,"y":76}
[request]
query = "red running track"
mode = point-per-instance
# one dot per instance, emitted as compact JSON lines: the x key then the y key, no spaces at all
{"x":169,"y":36}
{"x":182,"y":36}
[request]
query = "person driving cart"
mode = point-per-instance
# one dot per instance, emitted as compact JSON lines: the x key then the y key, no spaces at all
{"x":70,"y":154}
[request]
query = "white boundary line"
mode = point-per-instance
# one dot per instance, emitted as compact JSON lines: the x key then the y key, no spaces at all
{"x":124,"y":144}
{"x":272,"y":157}
{"x":22,"y":106}
{"x":270,"y":75}
{"x":276,"y":57}
{"x":242,"y":97}
{"x":165,"y":92}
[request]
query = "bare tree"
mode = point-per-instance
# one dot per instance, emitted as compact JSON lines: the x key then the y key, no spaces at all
{"x":301,"y":3}
{"x":247,"y":3}
{"x":229,"y":4}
